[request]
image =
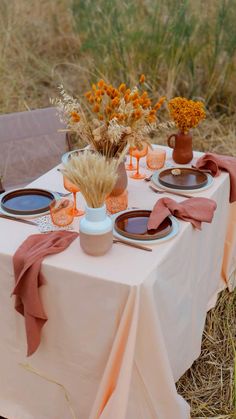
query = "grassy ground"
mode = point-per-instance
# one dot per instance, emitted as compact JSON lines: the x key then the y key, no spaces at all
{"x":185,"y":48}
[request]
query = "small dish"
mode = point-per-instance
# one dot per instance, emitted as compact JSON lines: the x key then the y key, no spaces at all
{"x":182,"y":178}
{"x":133,"y":224}
{"x":174,"y":231}
{"x":156,"y":181}
{"x":74,"y":153}
{"x":26,"y":202}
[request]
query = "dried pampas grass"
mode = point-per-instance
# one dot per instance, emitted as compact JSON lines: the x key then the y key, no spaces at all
{"x":94,"y":175}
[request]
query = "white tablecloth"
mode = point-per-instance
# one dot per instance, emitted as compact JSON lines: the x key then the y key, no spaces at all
{"x":122,"y":328}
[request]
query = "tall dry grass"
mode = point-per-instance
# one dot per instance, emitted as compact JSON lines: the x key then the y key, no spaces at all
{"x":184,"y":47}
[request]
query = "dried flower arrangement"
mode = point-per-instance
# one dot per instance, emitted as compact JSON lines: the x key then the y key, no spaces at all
{"x":94,"y":175}
{"x":112,"y":119}
{"x":186,"y":113}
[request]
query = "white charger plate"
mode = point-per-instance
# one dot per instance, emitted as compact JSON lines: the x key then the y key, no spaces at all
{"x":173,"y":232}
{"x":26,"y":216}
{"x":156,"y":182}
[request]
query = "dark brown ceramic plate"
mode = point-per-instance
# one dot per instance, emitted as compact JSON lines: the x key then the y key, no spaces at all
{"x":187,"y":179}
{"x":133,"y":224}
{"x":27,"y":201}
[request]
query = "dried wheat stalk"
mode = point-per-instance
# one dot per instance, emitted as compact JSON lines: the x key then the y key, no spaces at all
{"x":94,"y":175}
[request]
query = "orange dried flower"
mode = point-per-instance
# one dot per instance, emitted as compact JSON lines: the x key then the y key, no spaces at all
{"x":127,"y":97}
{"x":146,"y":103}
{"x":101,"y":83}
{"x":159,"y":103}
{"x":115,"y":102}
{"x":98,"y":92}
{"x":152,"y":112}
{"x":144,"y":95}
{"x":96,"y":108}
{"x":135,"y":96}
{"x":122,"y":87}
{"x":136,"y":103}
{"x":88,"y":94}
{"x":75,"y":116}
{"x":137,"y":114}
{"x":108,"y":109}
{"x":151,"y":119}
{"x":109,"y":92}
{"x":142,"y":78}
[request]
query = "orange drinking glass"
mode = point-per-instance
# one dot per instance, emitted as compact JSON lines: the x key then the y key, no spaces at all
{"x":135,"y":152}
{"x":130,"y":166}
{"x":61,"y":211}
{"x":156,"y":158}
{"x":71,"y":187}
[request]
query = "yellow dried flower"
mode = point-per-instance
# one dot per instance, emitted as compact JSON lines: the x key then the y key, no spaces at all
{"x":186,"y":113}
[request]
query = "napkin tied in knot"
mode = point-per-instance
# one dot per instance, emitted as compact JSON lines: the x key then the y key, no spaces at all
{"x":194,"y":210}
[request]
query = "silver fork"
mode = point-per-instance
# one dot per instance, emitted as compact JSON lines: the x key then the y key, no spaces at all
{"x":160,"y":191}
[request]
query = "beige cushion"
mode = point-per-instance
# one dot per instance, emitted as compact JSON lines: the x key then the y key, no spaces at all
{"x":30,"y":145}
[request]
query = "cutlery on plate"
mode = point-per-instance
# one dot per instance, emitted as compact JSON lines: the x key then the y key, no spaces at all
{"x":160,"y":191}
{"x":137,"y":246}
{"x":63,"y":194}
{"x":202,"y":170}
{"x":20,"y":220}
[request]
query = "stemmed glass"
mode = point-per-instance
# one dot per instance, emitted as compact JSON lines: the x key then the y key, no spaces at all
{"x":130,"y":166}
{"x":135,"y":152}
{"x":71,"y":187}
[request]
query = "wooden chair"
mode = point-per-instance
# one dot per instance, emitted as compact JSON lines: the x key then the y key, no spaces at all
{"x":30,"y":145}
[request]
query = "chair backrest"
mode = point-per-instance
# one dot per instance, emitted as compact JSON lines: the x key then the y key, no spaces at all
{"x":30,"y":145}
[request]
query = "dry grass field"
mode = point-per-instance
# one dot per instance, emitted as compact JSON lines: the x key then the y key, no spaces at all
{"x":184,"y":47}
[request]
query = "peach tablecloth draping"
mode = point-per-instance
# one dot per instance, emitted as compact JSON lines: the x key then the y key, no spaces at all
{"x":122,"y":328}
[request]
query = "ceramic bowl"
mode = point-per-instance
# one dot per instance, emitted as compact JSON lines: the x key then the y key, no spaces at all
{"x":66,"y":157}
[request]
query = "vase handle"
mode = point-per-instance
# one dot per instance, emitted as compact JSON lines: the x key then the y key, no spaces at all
{"x":169,"y":142}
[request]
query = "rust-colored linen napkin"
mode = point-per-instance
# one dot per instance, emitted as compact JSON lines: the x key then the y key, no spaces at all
{"x":216,"y":162}
{"x":28,"y":278}
{"x":194,"y":210}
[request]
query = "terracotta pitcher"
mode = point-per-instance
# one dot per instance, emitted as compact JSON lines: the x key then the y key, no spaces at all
{"x":182,"y":147}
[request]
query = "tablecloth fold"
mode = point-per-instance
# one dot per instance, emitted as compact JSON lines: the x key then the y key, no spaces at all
{"x":215,"y":163}
{"x":194,"y":210}
{"x":28,"y":278}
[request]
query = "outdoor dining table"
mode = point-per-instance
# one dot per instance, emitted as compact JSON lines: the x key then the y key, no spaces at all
{"x":122,"y":328}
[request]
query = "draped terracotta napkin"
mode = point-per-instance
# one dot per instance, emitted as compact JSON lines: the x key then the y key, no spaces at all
{"x":194,"y":210}
{"x":28,"y":278}
{"x":215,"y":162}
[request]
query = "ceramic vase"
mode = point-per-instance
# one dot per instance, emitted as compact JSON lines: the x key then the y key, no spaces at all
{"x":121,"y":182}
{"x":182,"y":147}
{"x":96,"y":231}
